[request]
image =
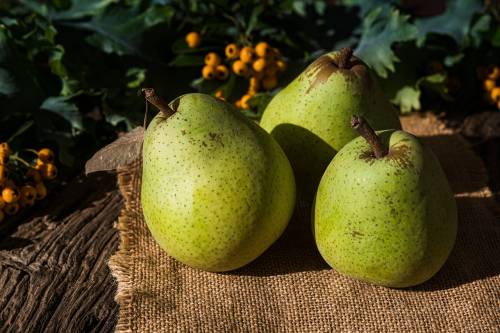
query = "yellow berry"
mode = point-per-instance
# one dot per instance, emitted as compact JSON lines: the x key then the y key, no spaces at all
{"x":219,"y":94}
{"x":2,"y":216}
{"x":246,"y":54}
{"x":41,"y":191}
{"x":46,"y":155}
{"x":489,"y":84}
{"x":269,"y":82}
{"x":193,"y":39}
{"x":11,"y":208}
{"x":259,"y":65}
{"x":495,"y":94}
{"x":208,"y":72}
{"x":232,"y":51}
{"x":10,"y":194}
{"x":493,"y":72}
{"x":240,"y":68}
{"x":281,"y":65}
{"x":262,"y":49}
{"x":5,"y":148}
{"x":221,"y":72}
{"x":212,"y":59}
{"x":49,"y":171}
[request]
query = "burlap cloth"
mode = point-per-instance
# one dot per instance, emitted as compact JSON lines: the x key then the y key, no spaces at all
{"x":291,"y":289}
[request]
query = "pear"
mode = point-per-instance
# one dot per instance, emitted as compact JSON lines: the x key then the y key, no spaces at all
{"x":310,"y":117}
{"x":217,"y":190}
{"x":384,"y":212}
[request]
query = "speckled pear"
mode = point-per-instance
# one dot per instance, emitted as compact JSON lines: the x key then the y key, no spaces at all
{"x":217,"y":190}
{"x":310,"y":117}
{"x":387,"y":218}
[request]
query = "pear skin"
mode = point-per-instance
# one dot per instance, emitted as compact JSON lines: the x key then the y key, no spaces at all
{"x":217,"y":190}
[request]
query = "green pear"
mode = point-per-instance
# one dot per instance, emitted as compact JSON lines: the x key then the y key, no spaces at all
{"x":217,"y":190}
{"x":384,"y":212}
{"x":310,"y":117}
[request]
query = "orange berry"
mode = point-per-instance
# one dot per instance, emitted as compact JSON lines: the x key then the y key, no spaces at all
{"x":28,"y":192}
{"x":244,"y":101}
{"x":498,"y":105}
{"x":2,"y":203}
{"x":281,"y":65}
{"x":11,"y":208}
{"x":259,"y":65}
{"x":495,"y":94}
{"x":46,"y":155}
{"x":246,"y":54}
{"x":262,"y":49}
{"x":3,"y":157}
{"x":34,"y":175}
{"x":10,"y":194}
{"x":493,"y":72}
{"x":3,"y":174}
{"x":219,"y":94}
{"x":232,"y":51}
{"x":208,"y":72}
{"x":49,"y":171}
{"x":2,"y":216}
{"x":269,"y":82}
{"x":254,"y":83}
{"x":238,"y":104}
{"x":5,"y":148}
{"x":240,"y":68}
{"x":41,"y":191}
{"x":193,"y":39}
{"x":221,"y":72}
{"x":212,"y":59}
{"x":489,"y":84}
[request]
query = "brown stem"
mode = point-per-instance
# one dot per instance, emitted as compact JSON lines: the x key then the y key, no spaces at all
{"x":344,"y":58}
{"x":153,"y":98}
{"x":364,"y":129}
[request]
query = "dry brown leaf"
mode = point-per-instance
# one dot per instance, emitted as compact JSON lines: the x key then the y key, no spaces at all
{"x":119,"y":153}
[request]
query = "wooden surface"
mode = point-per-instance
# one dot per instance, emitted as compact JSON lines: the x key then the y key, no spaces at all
{"x":53,"y":261}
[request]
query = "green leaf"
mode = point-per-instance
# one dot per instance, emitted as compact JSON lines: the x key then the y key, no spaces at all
{"x":81,"y":8}
{"x":120,"y":30}
{"x":183,"y":60}
{"x":454,"y":22}
{"x":481,"y":26}
{"x":408,"y":98}
{"x":380,"y":30}
{"x":62,"y":106}
{"x":136,"y":77}
{"x":7,"y":83}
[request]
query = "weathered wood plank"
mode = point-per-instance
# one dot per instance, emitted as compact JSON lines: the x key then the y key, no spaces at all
{"x":53,"y":265}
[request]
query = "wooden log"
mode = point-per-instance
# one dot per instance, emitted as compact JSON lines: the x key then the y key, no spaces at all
{"x":53,"y":265}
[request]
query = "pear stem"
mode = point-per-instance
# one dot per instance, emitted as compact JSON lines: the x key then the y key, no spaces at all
{"x":153,"y":98}
{"x":365,"y":130}
{"x":344,"y":57}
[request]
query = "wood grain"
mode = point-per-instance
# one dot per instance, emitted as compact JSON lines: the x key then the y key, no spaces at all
{"x":53,"y":263}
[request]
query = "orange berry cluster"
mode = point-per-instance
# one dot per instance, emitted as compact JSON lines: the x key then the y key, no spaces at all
{"x":260,"y":65}
{"x":491,"y":84}
{"x":15,"y":196}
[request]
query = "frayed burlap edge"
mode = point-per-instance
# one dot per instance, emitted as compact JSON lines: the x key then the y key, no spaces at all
{"x":120,"y":263}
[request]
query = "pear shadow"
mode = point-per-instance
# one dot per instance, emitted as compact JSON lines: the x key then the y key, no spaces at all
{"x":294,"y":252}
{"x":475,"y":254}
{"x":308,"y":154}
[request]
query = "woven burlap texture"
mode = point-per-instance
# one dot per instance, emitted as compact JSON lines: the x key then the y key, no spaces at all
{"x":291,"y":289}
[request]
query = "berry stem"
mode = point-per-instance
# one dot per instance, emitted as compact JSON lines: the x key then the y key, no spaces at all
{"x":31,"y":151}
{"x":344,"y":57}
{"x":17,"y":158}
{"x":153,"y":98}
{"x":364,"y":129}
